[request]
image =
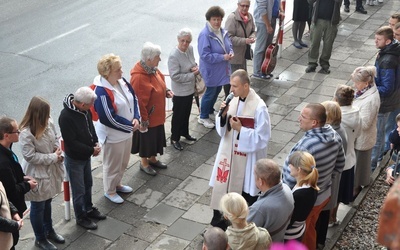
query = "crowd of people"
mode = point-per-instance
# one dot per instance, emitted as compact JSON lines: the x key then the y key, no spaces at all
{"x":254,"y":200}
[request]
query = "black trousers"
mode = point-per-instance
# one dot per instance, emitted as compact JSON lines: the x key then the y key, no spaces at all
{"x":358,"y":3}
{"x":180,"y":117}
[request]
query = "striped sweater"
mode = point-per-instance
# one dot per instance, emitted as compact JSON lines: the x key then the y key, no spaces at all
{"x":325,"y":145}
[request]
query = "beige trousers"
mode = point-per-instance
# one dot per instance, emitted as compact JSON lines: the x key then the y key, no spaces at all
{"x":115,"y":161}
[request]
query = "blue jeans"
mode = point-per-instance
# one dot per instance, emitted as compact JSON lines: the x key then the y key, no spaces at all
{"x":80,"y":178}
{"x":208,"y":100}
{"x":263,"y":40}
{"x":41,"y":218}
{"x":377,"y":150}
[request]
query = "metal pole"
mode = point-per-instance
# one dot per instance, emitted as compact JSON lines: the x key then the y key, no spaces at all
{"x":67,"y":197}
{"x":281,"y":26}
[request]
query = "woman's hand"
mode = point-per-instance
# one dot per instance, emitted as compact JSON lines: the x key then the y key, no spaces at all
{"x":170,"y":94}
{"x":60,"y":157}
{"x":228,"y":57}
{"x":250,"y":40}
{"x":135,"y":124}
{"x":195,"y":70}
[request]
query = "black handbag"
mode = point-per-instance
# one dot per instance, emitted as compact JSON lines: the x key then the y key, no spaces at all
{"x":249,"y":51}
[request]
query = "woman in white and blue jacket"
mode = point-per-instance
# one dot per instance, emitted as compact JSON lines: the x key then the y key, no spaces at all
{"x":215,"y":51}
{"x":119,"y":115}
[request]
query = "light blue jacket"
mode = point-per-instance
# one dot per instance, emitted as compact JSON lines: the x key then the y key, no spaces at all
{"x":213,"y":68}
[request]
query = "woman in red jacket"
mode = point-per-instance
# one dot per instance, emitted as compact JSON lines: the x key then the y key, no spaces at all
{"x":149,"y":84}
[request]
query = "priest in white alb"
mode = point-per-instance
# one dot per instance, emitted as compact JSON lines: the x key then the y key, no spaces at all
{"x":245,"y":129}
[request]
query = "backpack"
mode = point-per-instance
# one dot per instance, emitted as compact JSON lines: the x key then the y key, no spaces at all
{"x":95,"y":116}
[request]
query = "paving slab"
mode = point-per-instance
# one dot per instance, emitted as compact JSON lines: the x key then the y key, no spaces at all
{"x":89,"y":241}
{"x":167,"y":242}
{"x":164,"y":214}
{"x":204,"y":172}
{"x":146,"y":230}
{"x":146,"y":197}
{"x":126,"y":242}
{"x":181,"y":199}
{"x":180,"y":229}
{"x":104,"y":226}
{"x":194,"y":185}
{"x":199,"y":213}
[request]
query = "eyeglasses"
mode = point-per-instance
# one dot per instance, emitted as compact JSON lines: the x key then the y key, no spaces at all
{"x":15,"y":132}
{"x":244,"y":5}
{"x":185,"y":41}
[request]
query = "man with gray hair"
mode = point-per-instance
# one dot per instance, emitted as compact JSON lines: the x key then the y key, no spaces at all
{"x":80,"y":143}
{"x":274,"y":206}
{"x":215,"y":239}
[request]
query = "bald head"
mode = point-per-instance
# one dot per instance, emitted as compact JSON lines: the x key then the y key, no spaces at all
{"x":215,"y":239}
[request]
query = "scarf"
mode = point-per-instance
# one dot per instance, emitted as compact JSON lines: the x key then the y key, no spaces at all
{"x":360,"y":92}
{"x":148,"y":69}
{"x":232,"y":163}
{"x":244,"y":17}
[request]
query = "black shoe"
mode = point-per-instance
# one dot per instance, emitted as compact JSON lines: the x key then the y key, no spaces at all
{"x":55,"y":237}
{"x":45,"y":244}
{"x":86,"y":223}
{"x":177,"y":145}
{"x":190,"y":138}
{"x":325,"y":71}
{"x":310,"y":69}
{"x":361,"y":10}
{"x":157,"y":164}
{"x":346,"y":9}
{"x":148,"y":170}
{"x":95,"y":214}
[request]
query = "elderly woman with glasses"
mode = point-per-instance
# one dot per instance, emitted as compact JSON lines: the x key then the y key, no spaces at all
{"x":43,"y":161}
{"x":183,"y":70}
{"x":242,"y":32}
{"x":215,"y":50}
{"x":150,"y":85}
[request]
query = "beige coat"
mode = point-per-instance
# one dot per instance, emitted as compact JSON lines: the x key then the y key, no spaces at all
{"x":6,"y":238}
{"x":40,"y":162}
{"x":236,"y":34}
{"x":368,"y":104}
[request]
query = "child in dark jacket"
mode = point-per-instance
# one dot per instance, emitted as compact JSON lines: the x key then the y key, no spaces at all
{"x":394,"y":139}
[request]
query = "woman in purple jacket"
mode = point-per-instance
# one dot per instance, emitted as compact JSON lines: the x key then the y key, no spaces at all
{"x":215,"y":51}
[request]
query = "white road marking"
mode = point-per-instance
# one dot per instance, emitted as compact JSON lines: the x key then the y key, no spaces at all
{"x":53,"y":39}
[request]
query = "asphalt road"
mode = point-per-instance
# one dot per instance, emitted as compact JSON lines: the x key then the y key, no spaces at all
{"x":50,"y":48}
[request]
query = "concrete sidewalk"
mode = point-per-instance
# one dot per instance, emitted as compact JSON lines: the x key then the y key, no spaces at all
{"x":170,"y":210}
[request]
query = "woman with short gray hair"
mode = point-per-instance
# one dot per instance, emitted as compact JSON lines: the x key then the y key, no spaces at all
{"x":183,"y":70}
{"x":150,"y":86}
{"x":150,"y":51}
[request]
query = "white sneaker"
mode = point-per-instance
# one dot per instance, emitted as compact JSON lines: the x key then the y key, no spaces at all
{"x":212,"y":117}
{"x":380,"y":1}
{"x":375,"y":2}
{"x":206,"y":122}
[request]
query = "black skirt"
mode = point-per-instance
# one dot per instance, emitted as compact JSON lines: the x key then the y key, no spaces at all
{"x":150,"y":143}
{"x":301,"y":12}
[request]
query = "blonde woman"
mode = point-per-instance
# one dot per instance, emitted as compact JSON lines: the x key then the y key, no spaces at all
{"x":241,"y":234}
{"x":43,"y":161}
{"x":305,"y":192}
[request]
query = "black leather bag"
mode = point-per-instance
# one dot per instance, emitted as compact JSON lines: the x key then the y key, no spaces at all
{"x":249,"y":52}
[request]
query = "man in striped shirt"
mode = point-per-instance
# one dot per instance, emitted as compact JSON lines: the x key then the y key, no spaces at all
{"x":325,"y":145}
